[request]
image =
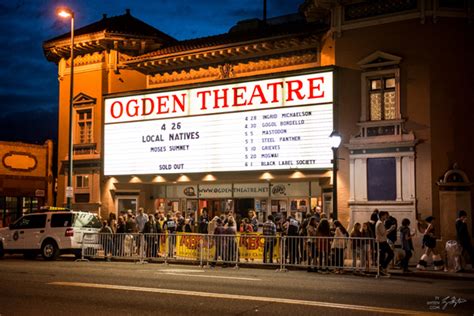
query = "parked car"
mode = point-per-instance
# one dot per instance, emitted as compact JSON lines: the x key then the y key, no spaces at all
{"x":52,"y":231}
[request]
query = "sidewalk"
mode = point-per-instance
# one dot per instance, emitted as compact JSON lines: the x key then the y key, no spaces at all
{"x":467,"y":275}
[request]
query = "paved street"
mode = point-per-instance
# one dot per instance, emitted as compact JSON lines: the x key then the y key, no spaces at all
{"x":122,"y":288}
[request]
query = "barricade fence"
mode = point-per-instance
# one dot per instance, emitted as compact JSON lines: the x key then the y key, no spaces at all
{"x":317,"y":253}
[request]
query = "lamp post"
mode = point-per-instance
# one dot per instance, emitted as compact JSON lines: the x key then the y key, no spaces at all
{"x":68,"y":13}
{"x":335,"y":140}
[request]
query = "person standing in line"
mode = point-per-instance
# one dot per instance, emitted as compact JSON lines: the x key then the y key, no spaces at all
{"x":253,"y":220}
{"x":106,"y":239}
{"x":374,"y":217}
{"x":219,"y":243}
{"x":366,"y":246}
{"x":269,"y":233}
{"x":179,"y":222}
{"x":120,"y":236}
{"x":203,"y":222}
{"x":231,"y":243}
{"x":141,"y":219}
{"x":407,"y":243}
{"x":131,"y":224}
{"x":323,"y":234}
{"x":292,"y":229}
{"x":429,"y":243}
{"x":385,"y":251}
{"x":150,"y":232}
{"x":312,"y":245}
{"x":356,"y":241}
{"x":170,"y":227}
{"x":463,"y":238}
{"x":339,"y":244}
{"x":112,"y":221}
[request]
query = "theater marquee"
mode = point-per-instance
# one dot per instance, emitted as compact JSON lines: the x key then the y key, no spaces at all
{"x":267,"y":124}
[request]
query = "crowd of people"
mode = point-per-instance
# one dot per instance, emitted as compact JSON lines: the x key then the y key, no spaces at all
{"x":315,"y":241}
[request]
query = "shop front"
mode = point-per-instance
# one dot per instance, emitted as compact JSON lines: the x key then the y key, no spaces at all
{"x":265,"y":198}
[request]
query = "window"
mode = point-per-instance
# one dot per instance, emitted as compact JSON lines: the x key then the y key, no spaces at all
{"x":82,"y":182}
{"x":382,"y":98}
{"x":61,"y":220}
{"x":31,"y":221}
{"x":84,"y":125}
{"x":381,"y":179}
{"x":81,"y":197}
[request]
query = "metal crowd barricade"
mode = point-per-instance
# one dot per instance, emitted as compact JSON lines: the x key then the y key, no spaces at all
{"x":317,"y":253}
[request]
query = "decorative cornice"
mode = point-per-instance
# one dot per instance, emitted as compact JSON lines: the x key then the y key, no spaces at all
{"x":218,"y":55}
{"x":212,"y":73}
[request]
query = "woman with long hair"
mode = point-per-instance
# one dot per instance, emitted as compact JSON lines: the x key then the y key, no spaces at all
{"x":323,"y":234}
{"x":338,"y":245}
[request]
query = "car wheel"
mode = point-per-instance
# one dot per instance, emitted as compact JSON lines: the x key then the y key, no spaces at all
{"x":1,"y":250}
{"x":30,"y":255}
{"x":49,"y":250}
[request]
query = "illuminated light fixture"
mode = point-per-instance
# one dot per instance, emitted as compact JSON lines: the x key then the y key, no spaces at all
{"x":135,"y":179}
{"x":267,"y":176}
{"x":159,"y":179}
{"x":297,"y":175}
{"x":209,"y":177}
{"x":183,"y":178}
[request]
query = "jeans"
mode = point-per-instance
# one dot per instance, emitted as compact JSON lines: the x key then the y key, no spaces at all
{"x":385,"y":254}
{"x":405,"y":259}
{"x":268,"y":248}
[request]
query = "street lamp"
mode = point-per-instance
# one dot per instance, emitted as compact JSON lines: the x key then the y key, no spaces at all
{"x":335,"y":141}
{"x":68,"y":13}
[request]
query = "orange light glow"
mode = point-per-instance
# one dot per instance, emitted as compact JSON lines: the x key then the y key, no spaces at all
{"x":64,"y":12}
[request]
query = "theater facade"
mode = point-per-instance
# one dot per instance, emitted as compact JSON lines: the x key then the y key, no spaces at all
{"x":241,"y":120}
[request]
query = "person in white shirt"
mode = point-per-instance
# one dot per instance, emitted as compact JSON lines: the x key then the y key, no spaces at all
{"x":141,"y":219}
{"x":385,"y":252}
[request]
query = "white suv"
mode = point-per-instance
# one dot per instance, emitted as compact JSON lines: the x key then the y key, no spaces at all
{"x":52,"y":231}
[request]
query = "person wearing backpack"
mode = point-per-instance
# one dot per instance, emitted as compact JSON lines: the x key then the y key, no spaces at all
{"x":292,"y":226}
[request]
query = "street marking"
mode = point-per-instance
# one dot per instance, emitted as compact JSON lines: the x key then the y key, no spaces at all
{"x":244,"y":298}
{"x":210,"y":276}
{"x":182,"y":270}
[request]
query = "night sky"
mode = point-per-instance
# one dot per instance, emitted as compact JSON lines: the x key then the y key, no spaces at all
{"x":28,"y":82}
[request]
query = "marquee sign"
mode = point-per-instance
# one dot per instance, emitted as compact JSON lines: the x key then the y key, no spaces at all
{"x":267,"y":124}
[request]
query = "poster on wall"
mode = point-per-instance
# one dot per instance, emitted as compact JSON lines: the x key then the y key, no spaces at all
{"x":272,"y":124}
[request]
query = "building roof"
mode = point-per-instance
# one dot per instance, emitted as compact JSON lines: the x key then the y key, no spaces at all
{"x":120,"y":24}
{"x":243,"y":31}
{"x":134,"y":36}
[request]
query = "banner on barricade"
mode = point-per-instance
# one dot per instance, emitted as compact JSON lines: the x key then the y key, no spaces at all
{"x":251,"y":246}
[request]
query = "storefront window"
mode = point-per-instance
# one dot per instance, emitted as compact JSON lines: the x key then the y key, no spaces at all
{"x":127,"y":203}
